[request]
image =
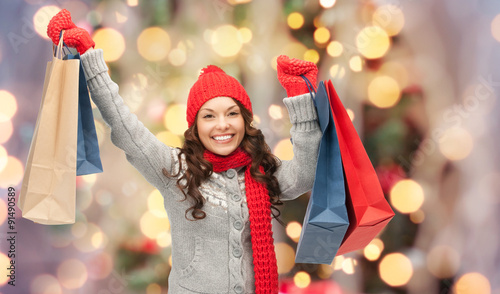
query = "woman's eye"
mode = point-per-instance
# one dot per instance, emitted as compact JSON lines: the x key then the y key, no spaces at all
{"x":208,"y":116}
{"x":233,"y":113}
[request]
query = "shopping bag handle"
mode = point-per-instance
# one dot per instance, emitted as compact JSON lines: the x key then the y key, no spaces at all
{"x":310,"y":88}
{"x":62,"y":49}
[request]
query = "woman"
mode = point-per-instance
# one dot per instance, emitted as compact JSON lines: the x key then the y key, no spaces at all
{"x":219,"y":187}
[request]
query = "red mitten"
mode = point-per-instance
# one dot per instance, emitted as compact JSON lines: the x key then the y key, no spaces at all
{"x":61,"y":21}
{"x":289,"y":75}
{"x":78,"y":38}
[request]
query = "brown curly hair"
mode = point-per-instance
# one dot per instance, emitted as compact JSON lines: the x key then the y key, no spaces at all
{"x":199,"y":169}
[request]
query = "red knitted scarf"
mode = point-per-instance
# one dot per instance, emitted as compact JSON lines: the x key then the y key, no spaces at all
{"x":259,"y":206}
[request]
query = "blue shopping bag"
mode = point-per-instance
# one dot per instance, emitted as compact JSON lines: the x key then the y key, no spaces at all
{"x":88,"y":156}
{"x":326,"y":220}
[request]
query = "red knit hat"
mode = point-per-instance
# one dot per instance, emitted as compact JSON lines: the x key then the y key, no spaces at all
{"x":214,"y":82}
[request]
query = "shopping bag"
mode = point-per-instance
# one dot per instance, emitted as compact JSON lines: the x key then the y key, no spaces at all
{"x":88,"y":156}
{"x":369,"y":212}
{"x":326,"y":220}
{"x":48,"y":189}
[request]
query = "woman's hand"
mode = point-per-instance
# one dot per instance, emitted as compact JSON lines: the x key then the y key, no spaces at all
{"x":289,"y":75}
{"x":73,"y":36}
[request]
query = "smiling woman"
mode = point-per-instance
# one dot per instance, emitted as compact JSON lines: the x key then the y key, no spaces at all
{"x":220,"y":125}
{"x":219,"y":188}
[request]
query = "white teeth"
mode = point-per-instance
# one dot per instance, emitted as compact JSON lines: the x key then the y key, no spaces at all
{"x":222,"y":138}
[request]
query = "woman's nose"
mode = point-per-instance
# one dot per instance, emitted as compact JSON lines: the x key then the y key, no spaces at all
{"x":222,"y":124}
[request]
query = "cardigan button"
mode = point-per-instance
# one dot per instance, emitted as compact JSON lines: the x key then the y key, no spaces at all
{"x":230,"y":173}
{"x":236,"y":197}
{"x":238,"y":288}
{"x":237,"y":252}
{"x":238,"y":225}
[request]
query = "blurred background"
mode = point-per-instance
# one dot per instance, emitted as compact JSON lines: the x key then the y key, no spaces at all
{"x":419,"y":78}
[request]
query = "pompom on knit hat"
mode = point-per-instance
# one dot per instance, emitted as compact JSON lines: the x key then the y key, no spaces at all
{"x":214,"y":82}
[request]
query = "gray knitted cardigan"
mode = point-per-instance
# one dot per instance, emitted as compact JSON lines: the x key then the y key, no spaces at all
{"x":213,"y":255}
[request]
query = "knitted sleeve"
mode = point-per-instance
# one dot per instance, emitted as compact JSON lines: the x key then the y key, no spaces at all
{"x":296,"y":176}
{"x":143,"y":150}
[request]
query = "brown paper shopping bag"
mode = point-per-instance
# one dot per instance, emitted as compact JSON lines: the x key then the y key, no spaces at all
{"x":48,"y":190}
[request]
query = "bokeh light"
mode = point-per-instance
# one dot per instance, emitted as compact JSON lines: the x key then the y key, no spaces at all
{"x":295,"y":20}
{"x":100,"y":266}
{"x":275,"y":112}
{"x":355,"y":63}
{"x":8,"y":105}
{"x":120,"y":18}
{"x":321,"y":35}
{"x":41,"y":19}
{"x":177,"y":57}
{"x":302,"y":279}
{"x":372,"y":42}
{"x":152,"y":225}
{"x":285,"y":256}
{"x":292,"y":50}
{"x":495,"y":27}
{"x":155,"y":204}
{"x":164,"y":239}
{"x":97,"y":239}
{"x":72,"y":273}
{"x":337,"y":262}
{"x":3,"y":211}
{"x":45,"y":284}
{"x":384,"y":92}
{"x":337,"y":71}
{"x":284,"y":149}
{"x":6,"y":130}
{"x":169,"y":139}
{"x":373,"y":250}
{"x":89,"y":179}
{"x":111,"y":42}
{"x":390,"y":18}
{"x":245,"y":34}
{"x":325,"y":271}
{"x":417,"y":217}
{"x":92,"y":239}
{"x":395,"y":269}
{"x":226,"y":41}
{"x":293,"y":230}
{"x":132,"y":3}
{"x":12,"y":174}
{"x":311,"y":55}
{"x":472,"y":283}
{"x":4,"y":263}
{"x":407,"y":196}
{"x":153,"y":44}
{"x":78,"y":229}
{"x":350,"y":113}
{"x":4,"y":157}
{"x":175,"y":119}
{"x":153,"y":289}
{"x":456,"y":143}
{"x":327,"y":3}
{"x":334,"y":48}
{"x":348,"y":265}
{"x":443,"y":261}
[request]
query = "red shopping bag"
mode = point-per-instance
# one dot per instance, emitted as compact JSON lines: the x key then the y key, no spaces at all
{"x":368,"y":210}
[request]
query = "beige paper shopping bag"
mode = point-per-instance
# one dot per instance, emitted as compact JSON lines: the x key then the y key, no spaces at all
{"x":48,"y":190}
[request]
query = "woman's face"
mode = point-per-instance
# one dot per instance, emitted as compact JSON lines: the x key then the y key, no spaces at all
{"x":221,"y":127}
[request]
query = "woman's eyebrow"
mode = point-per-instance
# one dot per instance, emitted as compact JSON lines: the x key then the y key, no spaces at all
{"x":229,"y":108}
